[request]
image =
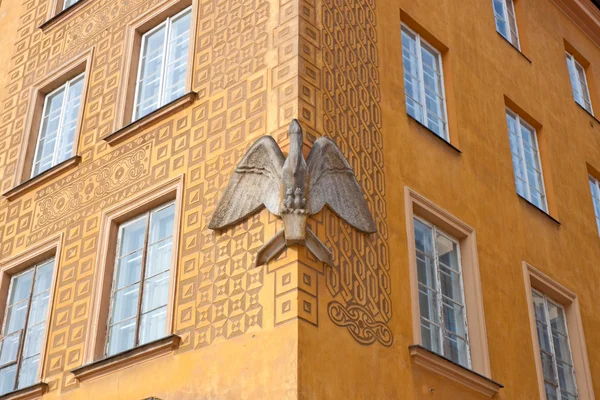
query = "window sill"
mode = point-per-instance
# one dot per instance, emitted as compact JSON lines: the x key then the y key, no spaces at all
{"x":523,"y":199}
{"x":127,"y":358}
{"x":29,"y":393}
{"x":42,"y":178}
{"x":515,"y":47}
{"x":443,"y":366}
{"x":147,"y":120}
{"x":587,"y":112}
{"x":64,"y":14}
{"x":423,"y":126}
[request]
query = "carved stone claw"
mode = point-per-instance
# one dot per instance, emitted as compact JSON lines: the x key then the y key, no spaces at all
{"x":271,"y":249}
{"x":318,"y":248}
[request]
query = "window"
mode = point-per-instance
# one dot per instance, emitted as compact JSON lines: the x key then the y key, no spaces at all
{"x":579,"y":83}
{"x":526,"y":161}
{"x":24,"y":326}
{"x":506,"y":23}
{"x":555,"y":349}
{"x":424,"y":83}
{"x":69,"y":3}
{"x":595,"y":189}
{"x":58,"y":126}
{"x":163,"y":62}
{"x":441,"y":299}
{"x":140,"y":289}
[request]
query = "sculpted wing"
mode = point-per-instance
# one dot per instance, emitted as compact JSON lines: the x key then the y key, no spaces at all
{"x":254,"y":184}
{"x":332,"y":182}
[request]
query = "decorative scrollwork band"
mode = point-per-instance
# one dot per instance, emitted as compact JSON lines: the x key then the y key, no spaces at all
{"x":360,"y":323}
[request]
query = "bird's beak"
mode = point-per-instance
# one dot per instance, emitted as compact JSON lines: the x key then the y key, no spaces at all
{"x":295,"y":127}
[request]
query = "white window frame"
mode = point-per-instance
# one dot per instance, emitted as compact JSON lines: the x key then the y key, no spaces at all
{"x":506,"y":18}
{"x":551,"y":341}
{"x":23,"y":334}
{"x":520,"y":123}
{"x":439,"y":302}
{"x":136,"y":339}
{"x":167,"y":23}
{"x":595,"y":191}
{"x":572,"y":61}
{"x":422,"y":102}
{"x":60,"y":132}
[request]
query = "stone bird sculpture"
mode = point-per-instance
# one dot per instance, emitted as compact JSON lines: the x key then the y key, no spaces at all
{"x":293,"y":188}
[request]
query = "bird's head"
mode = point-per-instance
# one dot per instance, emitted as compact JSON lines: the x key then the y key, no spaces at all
{"x":295,"y":129}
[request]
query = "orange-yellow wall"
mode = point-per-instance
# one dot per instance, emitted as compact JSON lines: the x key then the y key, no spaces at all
{"x":337,"y":66}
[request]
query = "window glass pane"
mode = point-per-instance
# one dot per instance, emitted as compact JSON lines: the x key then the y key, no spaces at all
{"x":16,"y":316}
{"x":21,"y":287}
{"x":153,"y":325}
{"x":159,"y":257}
{"x":129,"y":269}
{"x":161,"y":224}
{"x":39,"y":308}
{"x":456,"y":349}
{"x":28,"y":372}
{"x":7,"y":379}
{"x":33,"y":340}
{"x":69,"y":3}
{"x":125,"y":304}
{"x":430,"y":335}
{"x":501,"y":25}
{"x":43,"y":277}
{"x":156,"y":292}
{"x":132,"y":236}
{"x":10,"y":348}
{"x":121,"y":336}
{"x":411,"y":76}
{"x":428,"y":304}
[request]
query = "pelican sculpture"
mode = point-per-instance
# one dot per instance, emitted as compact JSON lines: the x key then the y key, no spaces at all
{"x":293,"y":188}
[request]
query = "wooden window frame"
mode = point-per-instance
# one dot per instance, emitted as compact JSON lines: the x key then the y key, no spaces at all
{"x":478,"y":376}
{"x":436,"y":229}
{"x":506,"y":18}
{"x":171,"y":190}
{"x":143,"y":268}
{"x":594,"y":181}
{"x":521,"y":122}
{"x":50,"y":248}
{"x":132,"y":50}
{"x":37,"y":96}
{"x":535,"y":279}
{"x":420,"y":42}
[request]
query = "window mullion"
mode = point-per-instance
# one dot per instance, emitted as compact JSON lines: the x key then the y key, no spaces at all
{"x":421,"y":80}
{"x":142,"y":275}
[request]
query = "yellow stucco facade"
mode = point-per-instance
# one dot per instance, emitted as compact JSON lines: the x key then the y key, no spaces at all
{"x":297,"y":328}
